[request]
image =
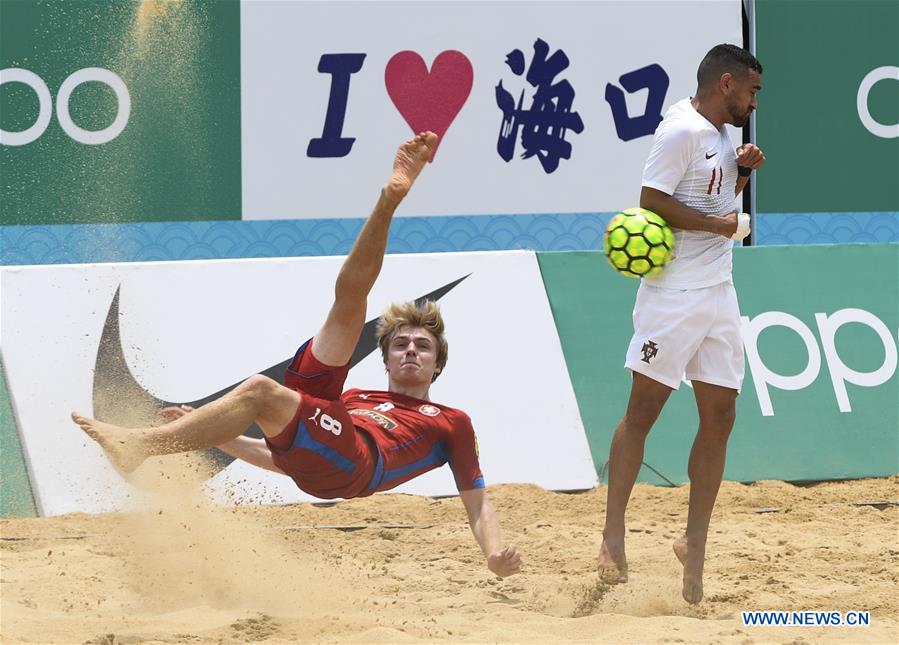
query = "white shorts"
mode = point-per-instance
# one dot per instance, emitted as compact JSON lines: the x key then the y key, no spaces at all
{"x":688,"y":332}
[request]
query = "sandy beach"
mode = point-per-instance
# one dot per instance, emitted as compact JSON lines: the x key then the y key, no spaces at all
{"x":405,"y":569}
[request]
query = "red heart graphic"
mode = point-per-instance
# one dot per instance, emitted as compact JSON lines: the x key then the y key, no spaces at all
{"x":429,"y":100}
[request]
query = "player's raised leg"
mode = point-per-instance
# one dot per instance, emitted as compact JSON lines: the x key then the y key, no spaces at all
{"x":717,"y":412}
{"x":335,"y":341}
{"x":625,"y":458}
{"x":259,"y":399}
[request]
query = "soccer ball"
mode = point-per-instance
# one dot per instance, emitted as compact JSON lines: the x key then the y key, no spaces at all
{"x":638,"y":242}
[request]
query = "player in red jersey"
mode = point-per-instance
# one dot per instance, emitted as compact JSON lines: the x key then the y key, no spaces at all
{"x":358,"y":442}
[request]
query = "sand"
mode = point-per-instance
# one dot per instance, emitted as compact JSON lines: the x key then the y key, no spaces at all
{"x":192,"y":572}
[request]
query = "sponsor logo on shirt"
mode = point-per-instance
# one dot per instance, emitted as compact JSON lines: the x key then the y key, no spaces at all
{"x":383,"y":421}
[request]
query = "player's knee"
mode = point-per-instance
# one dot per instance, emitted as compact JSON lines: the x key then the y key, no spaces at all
{"x":719,"y":421}
{"x":725,"y":414}
{"x":641,"y":416}
{"x":258,"y":388}
{"x":730,"y":417}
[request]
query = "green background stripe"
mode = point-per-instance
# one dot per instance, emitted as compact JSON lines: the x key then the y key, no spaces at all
{"x":178,"y":158}
{"x":815,"y":54}
{"x":16,"y":499}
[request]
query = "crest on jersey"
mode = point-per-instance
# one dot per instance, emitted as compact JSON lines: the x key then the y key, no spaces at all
{"x":429,"y":410}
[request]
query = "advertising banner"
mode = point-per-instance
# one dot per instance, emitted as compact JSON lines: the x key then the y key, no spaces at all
{"x":543,"y":107}
{"x":158,"y":111}
{"x":821,"y":395}
{"x":119,"y":112}
{"x":15,"y":486}
{"x":828,"y":116}
{"x":119,"y":341}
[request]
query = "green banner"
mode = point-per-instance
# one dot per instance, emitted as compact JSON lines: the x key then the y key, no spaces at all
{"x":829,"y":149}
{"x":120,"y":111}
{"x":821,"y":394}
{"x":16,"y":498}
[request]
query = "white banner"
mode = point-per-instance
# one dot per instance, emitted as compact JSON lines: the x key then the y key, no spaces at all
{"x":189,"y":329}
{"x":330,"y":88}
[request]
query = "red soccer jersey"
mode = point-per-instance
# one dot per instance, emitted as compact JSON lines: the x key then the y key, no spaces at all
{"x":413,"y":437}
{"x":326,"y":450}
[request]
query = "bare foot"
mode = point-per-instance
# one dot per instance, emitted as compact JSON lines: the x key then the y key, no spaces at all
{"x":122,"y":446}
{"x":410,"y":159}
{"x":693,"y":566}
{"x":612,"y":564}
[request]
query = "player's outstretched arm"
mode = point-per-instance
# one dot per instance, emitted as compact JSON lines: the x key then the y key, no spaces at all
{"x":253,"y":451}
{"x":335,"y":341}
{"x":501,"y":560}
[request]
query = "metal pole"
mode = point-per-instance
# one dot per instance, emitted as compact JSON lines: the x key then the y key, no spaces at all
{"x":749,"y":132}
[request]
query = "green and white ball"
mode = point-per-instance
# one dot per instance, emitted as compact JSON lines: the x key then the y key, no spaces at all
{"x":638,"y":242}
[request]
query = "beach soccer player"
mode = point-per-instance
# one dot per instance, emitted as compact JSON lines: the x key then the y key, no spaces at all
{"x":337,"y":444}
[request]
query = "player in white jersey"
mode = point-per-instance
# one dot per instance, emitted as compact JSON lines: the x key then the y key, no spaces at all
{"x":686,"y":319}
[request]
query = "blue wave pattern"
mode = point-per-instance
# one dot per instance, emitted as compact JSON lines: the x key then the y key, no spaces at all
{"x":72,"y":244}
{"x":826,"y":228}
{"x":156,"y":241}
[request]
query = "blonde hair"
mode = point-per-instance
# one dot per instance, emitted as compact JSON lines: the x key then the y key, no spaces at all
{"x":411,"y":314}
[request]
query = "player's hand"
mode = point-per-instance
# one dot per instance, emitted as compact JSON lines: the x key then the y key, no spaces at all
{"x":175,"y":412}
{"x":506,"y":562}
{"x":743,"y":227}
{"x":751,"y":156}
{"x":736,"y":225}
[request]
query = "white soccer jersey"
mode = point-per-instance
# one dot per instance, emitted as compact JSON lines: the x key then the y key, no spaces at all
{"x":697,"y":165}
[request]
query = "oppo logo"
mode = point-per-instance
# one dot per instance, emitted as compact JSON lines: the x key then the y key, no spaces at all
{"x":764,"y":377}
{"x":886,"y":73}
{"x":45,"y":100}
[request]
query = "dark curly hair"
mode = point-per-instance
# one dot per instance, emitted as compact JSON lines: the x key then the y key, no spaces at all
{"x":725,"y":58}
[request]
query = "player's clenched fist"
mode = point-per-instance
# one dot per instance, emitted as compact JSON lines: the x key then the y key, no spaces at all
{"x":506,"y":562}
{"x":750,"y":156}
